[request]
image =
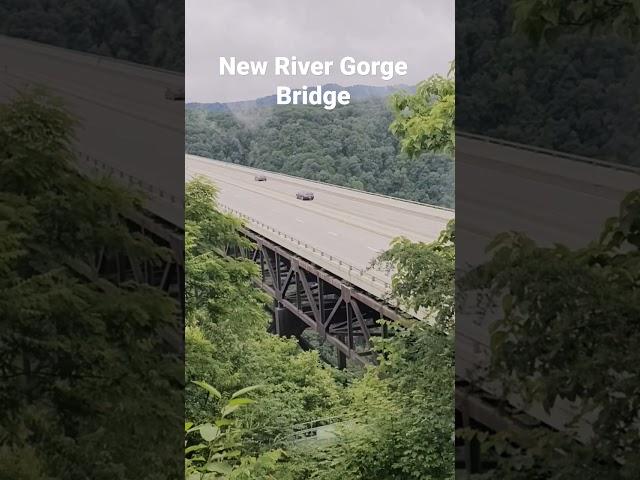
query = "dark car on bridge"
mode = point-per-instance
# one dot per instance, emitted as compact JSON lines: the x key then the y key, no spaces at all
{"x":304,"y":195}
{"x":260,"y":178}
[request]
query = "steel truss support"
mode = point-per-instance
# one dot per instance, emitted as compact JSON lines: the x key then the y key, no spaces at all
{"x":341,"y":314}
{"x":166,"y":273}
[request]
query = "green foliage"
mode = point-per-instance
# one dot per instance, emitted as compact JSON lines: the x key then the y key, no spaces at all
{"x":227,"y":343}
{"x":82,"y":380}
{"x":349,"y":146}
{"x":545,"y":19}
{"x":567,"y":332}
{"x":213,"y":453}
{"x":403,"y":424}
{"x":425,"y":121}
{"x":424,"y":277}
{"x":151,"y":33}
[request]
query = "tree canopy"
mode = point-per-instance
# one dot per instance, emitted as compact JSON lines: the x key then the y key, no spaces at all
{"x":141,"y":31}
{"x":544,"y":19}
{"x":425,"y":121}
{"x":86,"y":378}
{"x":576,"y":94}
{"x":349,"y":146}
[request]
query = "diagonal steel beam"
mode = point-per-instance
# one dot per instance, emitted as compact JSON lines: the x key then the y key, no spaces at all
{"x":333,"y":312}
{"x":270,"y":267}
{"x":287,"y":282}
{"x":361,"y":322}
{"x":312,"y":303}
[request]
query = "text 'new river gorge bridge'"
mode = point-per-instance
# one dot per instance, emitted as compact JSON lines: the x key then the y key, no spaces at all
{"x":315,"y":256}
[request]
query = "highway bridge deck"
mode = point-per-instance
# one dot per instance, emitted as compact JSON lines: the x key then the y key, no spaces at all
{"x":146,"y":147}
{"x":341,"y":230}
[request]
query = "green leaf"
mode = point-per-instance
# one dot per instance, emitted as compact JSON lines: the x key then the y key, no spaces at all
{"x":229,"y":409}
{"x":219,"y":467}
{"x":195,"y":448}
{"x":246,"y":390}
{"x":209,"y":432}
{"x":212,"y":391}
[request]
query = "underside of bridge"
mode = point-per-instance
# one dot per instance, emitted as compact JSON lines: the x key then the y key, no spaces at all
{"x":309,"y":297}
{"x":166,"y":273}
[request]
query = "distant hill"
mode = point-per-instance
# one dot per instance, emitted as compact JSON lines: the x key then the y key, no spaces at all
{"x":349,"y":146}
{"x":357,"y":92}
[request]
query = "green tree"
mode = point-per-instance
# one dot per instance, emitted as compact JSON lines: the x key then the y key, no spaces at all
{"x":425,"y":121}
{"x":227,"y":342}
{"x":545,"y":19}
{"x":567,"y":332}
{"x":85,"y":376}
{"x":424,"y":275}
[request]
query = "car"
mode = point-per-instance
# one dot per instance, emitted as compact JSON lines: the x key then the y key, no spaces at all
{"x":260,"y":178}
{"x":304,"y":195}
{"x":174,"y":93}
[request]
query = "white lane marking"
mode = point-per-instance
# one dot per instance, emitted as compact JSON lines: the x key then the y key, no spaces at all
{"x":333,"y":233}
{"x":377,"y":250}
{"x":299,"y":220}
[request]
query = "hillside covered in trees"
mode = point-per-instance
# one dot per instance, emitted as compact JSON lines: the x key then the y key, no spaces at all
{"x":150,"y":32}
{"x":575,"y":93}
{"x":350,"y":146}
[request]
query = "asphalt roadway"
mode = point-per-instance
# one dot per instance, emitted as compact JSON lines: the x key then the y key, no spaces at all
{"x":125,"y":122}
{"x":344,"y":224}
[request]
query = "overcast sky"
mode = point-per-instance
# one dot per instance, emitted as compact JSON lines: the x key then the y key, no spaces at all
{"x":420,"y":32}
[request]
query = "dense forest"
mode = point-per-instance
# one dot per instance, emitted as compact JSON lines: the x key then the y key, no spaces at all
{"x":150,"y":32}
{"x":86,"y":377}
{"x":577,"y":93}
{"x":350,"y":146}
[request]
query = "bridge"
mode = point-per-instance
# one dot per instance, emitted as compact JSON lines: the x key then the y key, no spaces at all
{"x":316,"y":256}
{"x":127,"y":131}
{"x":539,"y":192}
{"x":343,"y":230}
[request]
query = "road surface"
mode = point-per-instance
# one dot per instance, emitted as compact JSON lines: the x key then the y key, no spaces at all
{"x":125,"y":121}
{"x":341,"y":224}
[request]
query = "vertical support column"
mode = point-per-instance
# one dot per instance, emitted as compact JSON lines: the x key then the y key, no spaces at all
{"x":261,"y":265}
{"x":342,"y":360}
{"x":286,"y":323}
{"x":471,"y":449}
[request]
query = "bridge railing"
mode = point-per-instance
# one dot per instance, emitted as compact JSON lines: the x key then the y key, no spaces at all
{"x":89,"y":162}
{"x":549,"y":152}
{"x":337,"y":261}
{"x":310,"y":430}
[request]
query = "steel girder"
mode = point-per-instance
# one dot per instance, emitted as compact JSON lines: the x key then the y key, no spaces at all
{"x":340,"y":313}
{"x":165,"y":273}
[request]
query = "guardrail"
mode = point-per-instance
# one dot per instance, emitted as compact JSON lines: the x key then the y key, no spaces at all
{"x":309,"y":430}
{"x":133,"y":181}
{"x":549,"y":152}
{"x":326,"y":184}
{"x":339,"y":262}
